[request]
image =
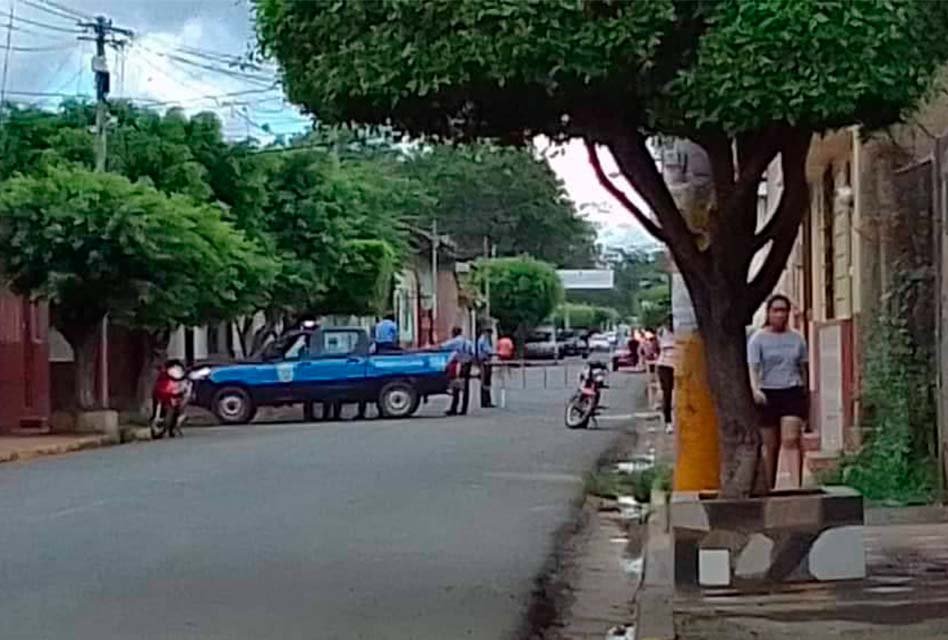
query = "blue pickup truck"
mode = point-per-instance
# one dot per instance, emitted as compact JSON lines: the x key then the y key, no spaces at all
{"x":322,"y":365}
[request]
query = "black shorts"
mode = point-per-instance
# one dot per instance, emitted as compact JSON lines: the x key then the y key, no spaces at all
{"x":783,"y":403}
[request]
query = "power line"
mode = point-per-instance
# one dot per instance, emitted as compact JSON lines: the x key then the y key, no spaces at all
{"x":78,"y":14}
{"x":6,"y":60}
{"x":216,"y":96}
{"x":55,"y":12}
{"x":46,"y":25}
{"x":228,"y":72}
{"x":218,"y":56}
{"x":56,"y":47}
{"x":47,"y":94}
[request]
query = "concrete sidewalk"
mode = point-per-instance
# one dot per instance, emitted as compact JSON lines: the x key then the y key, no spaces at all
{"x":905,"y":593}
{"x":17,"y":448}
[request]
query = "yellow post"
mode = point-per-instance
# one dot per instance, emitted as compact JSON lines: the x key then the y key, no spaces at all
{"x":697,"y":459}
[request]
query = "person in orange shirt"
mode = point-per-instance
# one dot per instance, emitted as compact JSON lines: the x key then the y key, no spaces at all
{"x":505,"y":348}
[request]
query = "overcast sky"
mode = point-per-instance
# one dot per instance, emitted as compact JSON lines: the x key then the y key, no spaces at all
{"x":162,"y":63}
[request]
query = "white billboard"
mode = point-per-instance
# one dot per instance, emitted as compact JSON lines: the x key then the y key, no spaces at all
{"x":587,"y":278}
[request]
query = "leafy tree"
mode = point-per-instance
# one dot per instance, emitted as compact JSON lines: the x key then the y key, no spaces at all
{"x":509,"y":196}
{"x":319,"y":206}
{"x":636,"y":273}
{"x":94,"y":244}
{"x":523,"y":292}
{"x":338,"y":225}
{"x":585,"y":316}
{"x":749,"y":82}
{"x":655,"y":306}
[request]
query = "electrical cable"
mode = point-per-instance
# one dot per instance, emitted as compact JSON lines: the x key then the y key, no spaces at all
{"x":228,"y":72}
{"x":46,"y":25}
{"x":58,"y":13}
{"x":78,"y":14}
{"x":6,"y":60}
{"x":57,"y":47}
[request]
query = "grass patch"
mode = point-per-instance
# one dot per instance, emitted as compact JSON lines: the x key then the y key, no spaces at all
{"x":609,"y":483}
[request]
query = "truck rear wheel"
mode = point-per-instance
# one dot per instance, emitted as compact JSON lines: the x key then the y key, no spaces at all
{"x":233,"y":405}
{"x":398,"y":400}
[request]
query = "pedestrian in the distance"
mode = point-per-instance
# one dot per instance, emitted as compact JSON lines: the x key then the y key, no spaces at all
{"x":386,"y":334}
{"x":778,"y":361}
{"x":634,"y":350}
{"x":667,"y":359}
{"x":505,"y":348}
{"x":484,"y":354}
{"x":460,"y":386}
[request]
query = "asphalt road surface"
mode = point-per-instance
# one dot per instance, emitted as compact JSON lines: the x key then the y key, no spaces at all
{"x":429,"y":528}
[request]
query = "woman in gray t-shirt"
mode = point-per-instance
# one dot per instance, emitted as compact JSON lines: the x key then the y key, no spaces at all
{"x":777,"y":356}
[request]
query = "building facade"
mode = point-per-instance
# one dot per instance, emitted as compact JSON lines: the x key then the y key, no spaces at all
{"x":24,"y":363}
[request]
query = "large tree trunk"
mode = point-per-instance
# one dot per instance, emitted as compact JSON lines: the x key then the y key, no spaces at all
{"x":84,"y":340}
{"x":154,"y":354}
{"x":738,"y":420}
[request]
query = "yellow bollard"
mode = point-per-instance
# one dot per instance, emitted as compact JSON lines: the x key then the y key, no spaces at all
{"x":697,"y":459}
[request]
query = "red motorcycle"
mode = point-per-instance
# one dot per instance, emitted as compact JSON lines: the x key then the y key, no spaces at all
{"x":169,"y":398}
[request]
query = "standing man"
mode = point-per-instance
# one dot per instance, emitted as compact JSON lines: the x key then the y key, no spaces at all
{"x":464,"y":349}
{"x":386,"y":334}
{"x":484,"y":354}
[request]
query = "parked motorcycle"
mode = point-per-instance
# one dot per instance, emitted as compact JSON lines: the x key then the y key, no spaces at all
{"x":583,"y":406}
{"x":169,"y":398}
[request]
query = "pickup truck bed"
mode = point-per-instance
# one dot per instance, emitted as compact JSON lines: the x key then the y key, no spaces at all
{"x":323,"y":365}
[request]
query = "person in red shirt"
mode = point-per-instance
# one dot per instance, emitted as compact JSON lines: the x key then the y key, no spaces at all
{"x":505,"y":348}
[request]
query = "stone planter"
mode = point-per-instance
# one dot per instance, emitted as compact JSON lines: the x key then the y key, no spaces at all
{"x":788,"y":536}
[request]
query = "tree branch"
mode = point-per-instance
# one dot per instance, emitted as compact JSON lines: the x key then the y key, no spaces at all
{"x":721,"y":159}
{"x":619,"y":195}
{"x":786,"y":220}
{"x":755,"y":152}
{"x":638,"y":166}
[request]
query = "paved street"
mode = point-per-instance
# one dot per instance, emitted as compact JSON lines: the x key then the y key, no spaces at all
{"x":429,"y":528}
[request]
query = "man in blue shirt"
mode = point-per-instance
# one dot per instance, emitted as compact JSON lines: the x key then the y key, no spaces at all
{"x":386,"y":334}
{"x":485,"y":351}
{"x":464,"y":350}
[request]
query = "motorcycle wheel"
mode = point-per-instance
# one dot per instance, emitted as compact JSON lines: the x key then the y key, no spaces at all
{"x":578,"y":412}
{"x":158,"y":429}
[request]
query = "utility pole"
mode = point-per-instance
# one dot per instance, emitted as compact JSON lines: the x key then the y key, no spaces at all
{"x":434,"y":281}
{"x":102,"y":29}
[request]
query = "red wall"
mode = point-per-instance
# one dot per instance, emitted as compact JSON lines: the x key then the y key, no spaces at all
{"x":24,"y":362}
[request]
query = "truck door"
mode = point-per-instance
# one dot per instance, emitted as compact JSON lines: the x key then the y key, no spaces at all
{"x":337,"y":365}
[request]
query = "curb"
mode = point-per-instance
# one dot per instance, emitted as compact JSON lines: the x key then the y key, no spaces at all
{"x":58,"y":449}
{"x":126,"y":435}
{"x":654,"y":599}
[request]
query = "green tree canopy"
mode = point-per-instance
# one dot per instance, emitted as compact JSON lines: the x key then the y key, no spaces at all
{"x":509,"y":196}
{"x":523,"y":291}
{"x":747,"y":82}
{"x":585,"y":316}
{"x":94,"y":244}
{"x":636,"y":273}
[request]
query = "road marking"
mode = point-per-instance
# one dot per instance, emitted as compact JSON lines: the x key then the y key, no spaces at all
{"x":79,"y":509}
{"x":534,"y":477}
{"x":623,"y":416}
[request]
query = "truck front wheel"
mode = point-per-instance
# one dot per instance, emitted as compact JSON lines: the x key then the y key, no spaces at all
{"x":233,"y":405}
{"x":398,"y":400}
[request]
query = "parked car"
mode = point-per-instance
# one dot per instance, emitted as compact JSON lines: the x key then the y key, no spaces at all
{"x":541,"y":345}
{"x":599,"y":342}
{"x":322,"y":365}
{"x":571,"y":343}
{"x":623,"y":358}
